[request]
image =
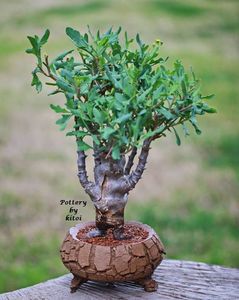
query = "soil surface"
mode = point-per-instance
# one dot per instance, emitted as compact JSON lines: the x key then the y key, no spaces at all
{"x":133,"y":234}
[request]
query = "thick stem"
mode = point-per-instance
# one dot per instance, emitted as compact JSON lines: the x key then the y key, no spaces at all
{"x":113,"y":217}
{"x":111,"y":186}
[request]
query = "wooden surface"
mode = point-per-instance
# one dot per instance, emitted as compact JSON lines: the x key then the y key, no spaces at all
{"x":177,"y":280}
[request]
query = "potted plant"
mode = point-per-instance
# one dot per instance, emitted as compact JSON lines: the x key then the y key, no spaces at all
{"x":119,"y":99}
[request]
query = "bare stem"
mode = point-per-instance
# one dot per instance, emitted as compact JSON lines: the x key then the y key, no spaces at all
{"x":49,"y":73}
{"x":130,"y":161}
{"x":135,"y":176}
{"x":87,"y":185}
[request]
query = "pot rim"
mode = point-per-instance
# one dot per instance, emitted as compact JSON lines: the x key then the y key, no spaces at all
{"x":73,"y":231}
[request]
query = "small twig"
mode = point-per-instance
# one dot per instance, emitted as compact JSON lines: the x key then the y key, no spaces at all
{"x":46,"y":64}
{"x":43,"y":72}
{"x":108,"y":154}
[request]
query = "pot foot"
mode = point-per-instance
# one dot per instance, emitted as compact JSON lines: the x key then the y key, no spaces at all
{"x":76,"y":282}
{"x":149,"y":284}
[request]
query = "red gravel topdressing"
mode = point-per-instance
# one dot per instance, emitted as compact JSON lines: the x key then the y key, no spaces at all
{"x":133,"y":233}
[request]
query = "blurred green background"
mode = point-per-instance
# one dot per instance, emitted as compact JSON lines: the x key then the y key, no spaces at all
{"x":189,"y":194}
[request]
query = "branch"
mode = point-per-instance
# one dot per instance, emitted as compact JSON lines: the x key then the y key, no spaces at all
{"x":135,"y":176}
{"x":96,"y":155}
{"x":97,"y":160}
{"x":87,"y":185}
{"x":130,"y":161}
{"x":46,"y":64}
{"x":169,"y":124}
{"x":82,"y":174}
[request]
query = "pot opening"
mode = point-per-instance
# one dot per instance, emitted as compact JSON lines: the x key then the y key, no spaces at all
{"x":134,"y":233}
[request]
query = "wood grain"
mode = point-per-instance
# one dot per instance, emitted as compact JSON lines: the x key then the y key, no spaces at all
{"x":177,"y":280}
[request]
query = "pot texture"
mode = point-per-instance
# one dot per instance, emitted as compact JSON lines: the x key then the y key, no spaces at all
{"x":134,"y":261}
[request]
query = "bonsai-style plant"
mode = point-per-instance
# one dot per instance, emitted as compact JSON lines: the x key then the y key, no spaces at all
{"x":120,"y":97}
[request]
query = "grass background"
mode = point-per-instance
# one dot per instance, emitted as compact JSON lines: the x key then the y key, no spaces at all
{"x":189,"y":194}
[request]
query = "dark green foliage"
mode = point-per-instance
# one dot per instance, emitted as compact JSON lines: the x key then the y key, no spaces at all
{"x":117,"y":95}
{"x":176,"y":8}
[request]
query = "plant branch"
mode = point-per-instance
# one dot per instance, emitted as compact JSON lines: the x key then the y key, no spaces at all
{"x":46,"y":64}
{"x":130,"y":161}
{"x":135,"y":176}
{"x":96,"y":154}
{"x":82,"y":174}
{"x":87,"y":185}
{"x":168,"y":125}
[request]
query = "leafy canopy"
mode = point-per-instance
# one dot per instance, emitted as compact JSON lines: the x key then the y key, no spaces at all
{"x":117,"y":94}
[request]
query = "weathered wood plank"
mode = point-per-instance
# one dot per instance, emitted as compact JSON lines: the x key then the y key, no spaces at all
{"x":177,"y":280}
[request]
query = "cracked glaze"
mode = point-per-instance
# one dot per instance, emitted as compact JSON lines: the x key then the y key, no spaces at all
{"x":125,"y":262}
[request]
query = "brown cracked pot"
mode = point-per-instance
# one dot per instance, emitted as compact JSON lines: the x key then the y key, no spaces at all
{"x":134,"y":261}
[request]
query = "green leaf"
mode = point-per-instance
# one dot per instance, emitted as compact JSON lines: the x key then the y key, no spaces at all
{"x":58,"y":109}
{"x":178,"y":141}
{"x":119,"y":30}
{"x":62,"y":122}
{"x":82,"y":146}
{"x":45,"y":37}
{"x":197,"y":129}
{"x":123,"y":118}
{"x":109,"y":74}
{"x":185,"y":130}
{"x":67,"y":75}
{"x":79,"y":113}
{"x":99,"y":118}
{"x":36,"y":82}
{"x":61,"y":56}
{"x":208,"y":96}
{"x":95,"y":139}
{"x":194,"y":123}
{"x":77,"y":133}
{"x":36,"y":48}
{"x":34,"y":43}
{"x":143,"y":96}
{"x":210,"y":110}
{"x":107,"y":132}
{"x":166,"y":113}
{"x":127,"y":41}
{"x":51,"y":83}
{"x":30,"y":51}
{"x":64,"y":86}
{"x":116,"y":153}
{"x":151,"y":133}
{"x":86,"y":37}
{"x":193,"y":74}
{"x":136,"y":128}
{"x":184,"y":89}
{"x":138,"y":40}
{"x":76,"y":37}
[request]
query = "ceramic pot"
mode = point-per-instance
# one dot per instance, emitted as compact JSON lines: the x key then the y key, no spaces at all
{"x":134,"y":261}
